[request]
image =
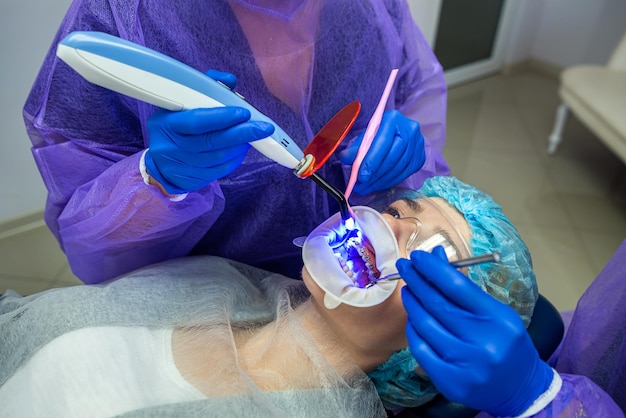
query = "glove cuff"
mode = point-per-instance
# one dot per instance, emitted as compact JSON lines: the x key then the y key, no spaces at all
{"x":532,"y":386}
{"x":144,"y":161}
{"x":545,"y":398}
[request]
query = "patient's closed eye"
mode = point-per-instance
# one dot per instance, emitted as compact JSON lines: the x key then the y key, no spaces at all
{"x":404,"y":208}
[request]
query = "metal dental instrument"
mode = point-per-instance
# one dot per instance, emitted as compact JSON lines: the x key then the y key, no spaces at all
{"x":465,"y":262}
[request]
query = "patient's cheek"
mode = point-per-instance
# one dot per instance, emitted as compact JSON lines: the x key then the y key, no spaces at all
{"x":316,"y":292}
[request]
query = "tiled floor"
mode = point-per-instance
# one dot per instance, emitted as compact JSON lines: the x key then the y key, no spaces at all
{"x":570,"y":208}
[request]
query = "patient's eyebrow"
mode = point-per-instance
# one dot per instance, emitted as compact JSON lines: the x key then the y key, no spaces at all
{"x":448,"y":236}
{"x":413,"y":205}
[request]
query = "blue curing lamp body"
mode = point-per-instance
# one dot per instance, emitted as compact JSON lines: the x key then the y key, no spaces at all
{"x":155,"y":78}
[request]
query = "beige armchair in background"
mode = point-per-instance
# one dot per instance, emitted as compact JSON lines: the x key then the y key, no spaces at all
{"x":596,"y":95}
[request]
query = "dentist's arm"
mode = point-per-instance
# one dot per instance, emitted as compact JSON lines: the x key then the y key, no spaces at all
{"x":107,"y":221}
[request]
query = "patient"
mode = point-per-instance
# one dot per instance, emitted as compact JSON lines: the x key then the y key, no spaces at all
{"x":208,"y":336}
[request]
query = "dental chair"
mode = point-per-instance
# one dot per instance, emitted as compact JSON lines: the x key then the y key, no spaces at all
{"x":546,"y":329}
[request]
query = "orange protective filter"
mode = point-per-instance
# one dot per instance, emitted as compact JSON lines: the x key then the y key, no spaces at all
{"x":329,"y":137}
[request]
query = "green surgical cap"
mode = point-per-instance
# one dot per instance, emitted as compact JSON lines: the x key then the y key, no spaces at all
{"x":512,"y":280}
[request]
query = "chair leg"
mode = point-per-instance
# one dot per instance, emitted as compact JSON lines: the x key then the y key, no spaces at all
{"x":557,"y":131}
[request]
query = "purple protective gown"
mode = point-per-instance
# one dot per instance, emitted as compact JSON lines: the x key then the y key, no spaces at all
{"x":299,"y":62}
{"x":592,"y":356}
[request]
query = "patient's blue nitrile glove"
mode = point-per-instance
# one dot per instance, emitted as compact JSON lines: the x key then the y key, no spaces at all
{"x":397,"y":152}
{"x":475,"y":349}
{"x":191,"y":148}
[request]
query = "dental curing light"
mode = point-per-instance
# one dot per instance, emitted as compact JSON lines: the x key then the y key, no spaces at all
{"x":144,"y":74}
{"x":155,"y":78}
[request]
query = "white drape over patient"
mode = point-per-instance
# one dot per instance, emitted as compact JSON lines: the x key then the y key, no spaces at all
{"x":237,"y":334}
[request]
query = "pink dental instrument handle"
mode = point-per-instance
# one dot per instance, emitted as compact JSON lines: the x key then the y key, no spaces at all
{"x":370,"y":133}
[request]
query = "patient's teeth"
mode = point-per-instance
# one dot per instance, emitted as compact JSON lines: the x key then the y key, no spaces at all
{"x":358,"y":261}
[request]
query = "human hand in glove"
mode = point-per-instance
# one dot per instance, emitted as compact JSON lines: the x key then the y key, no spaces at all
{"x":191,"y":148}
{"x":475,"y":349}
{"x":397,"y":152}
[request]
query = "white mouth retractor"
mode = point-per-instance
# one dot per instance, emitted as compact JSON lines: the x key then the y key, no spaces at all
{"x":326,"y":270}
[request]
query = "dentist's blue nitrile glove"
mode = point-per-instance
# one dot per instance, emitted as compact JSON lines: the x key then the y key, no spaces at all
{"x":397,"y":152}
{"x":475,"y":349}
{"x":191,"y":148}
{"x":229,"y":79}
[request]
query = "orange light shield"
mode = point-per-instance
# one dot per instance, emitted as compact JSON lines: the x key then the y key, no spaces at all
{"x":328,"y":139}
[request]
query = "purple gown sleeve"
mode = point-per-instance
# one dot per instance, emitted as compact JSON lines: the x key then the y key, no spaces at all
{"x":87,"y":149}
{"x":134,"y":224}
{"x":578,"y":397}
{"x":113,"y":222}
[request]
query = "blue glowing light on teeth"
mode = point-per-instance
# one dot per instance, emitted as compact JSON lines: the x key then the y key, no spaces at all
{"x":349,"y":248}
{"x":350,"y":224}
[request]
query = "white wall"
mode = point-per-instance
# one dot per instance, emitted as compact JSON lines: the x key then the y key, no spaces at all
{"x":522,"y":32}
{"x":26,"y":30}
{"x":566,"y":32}
{"x":426,"y":14}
